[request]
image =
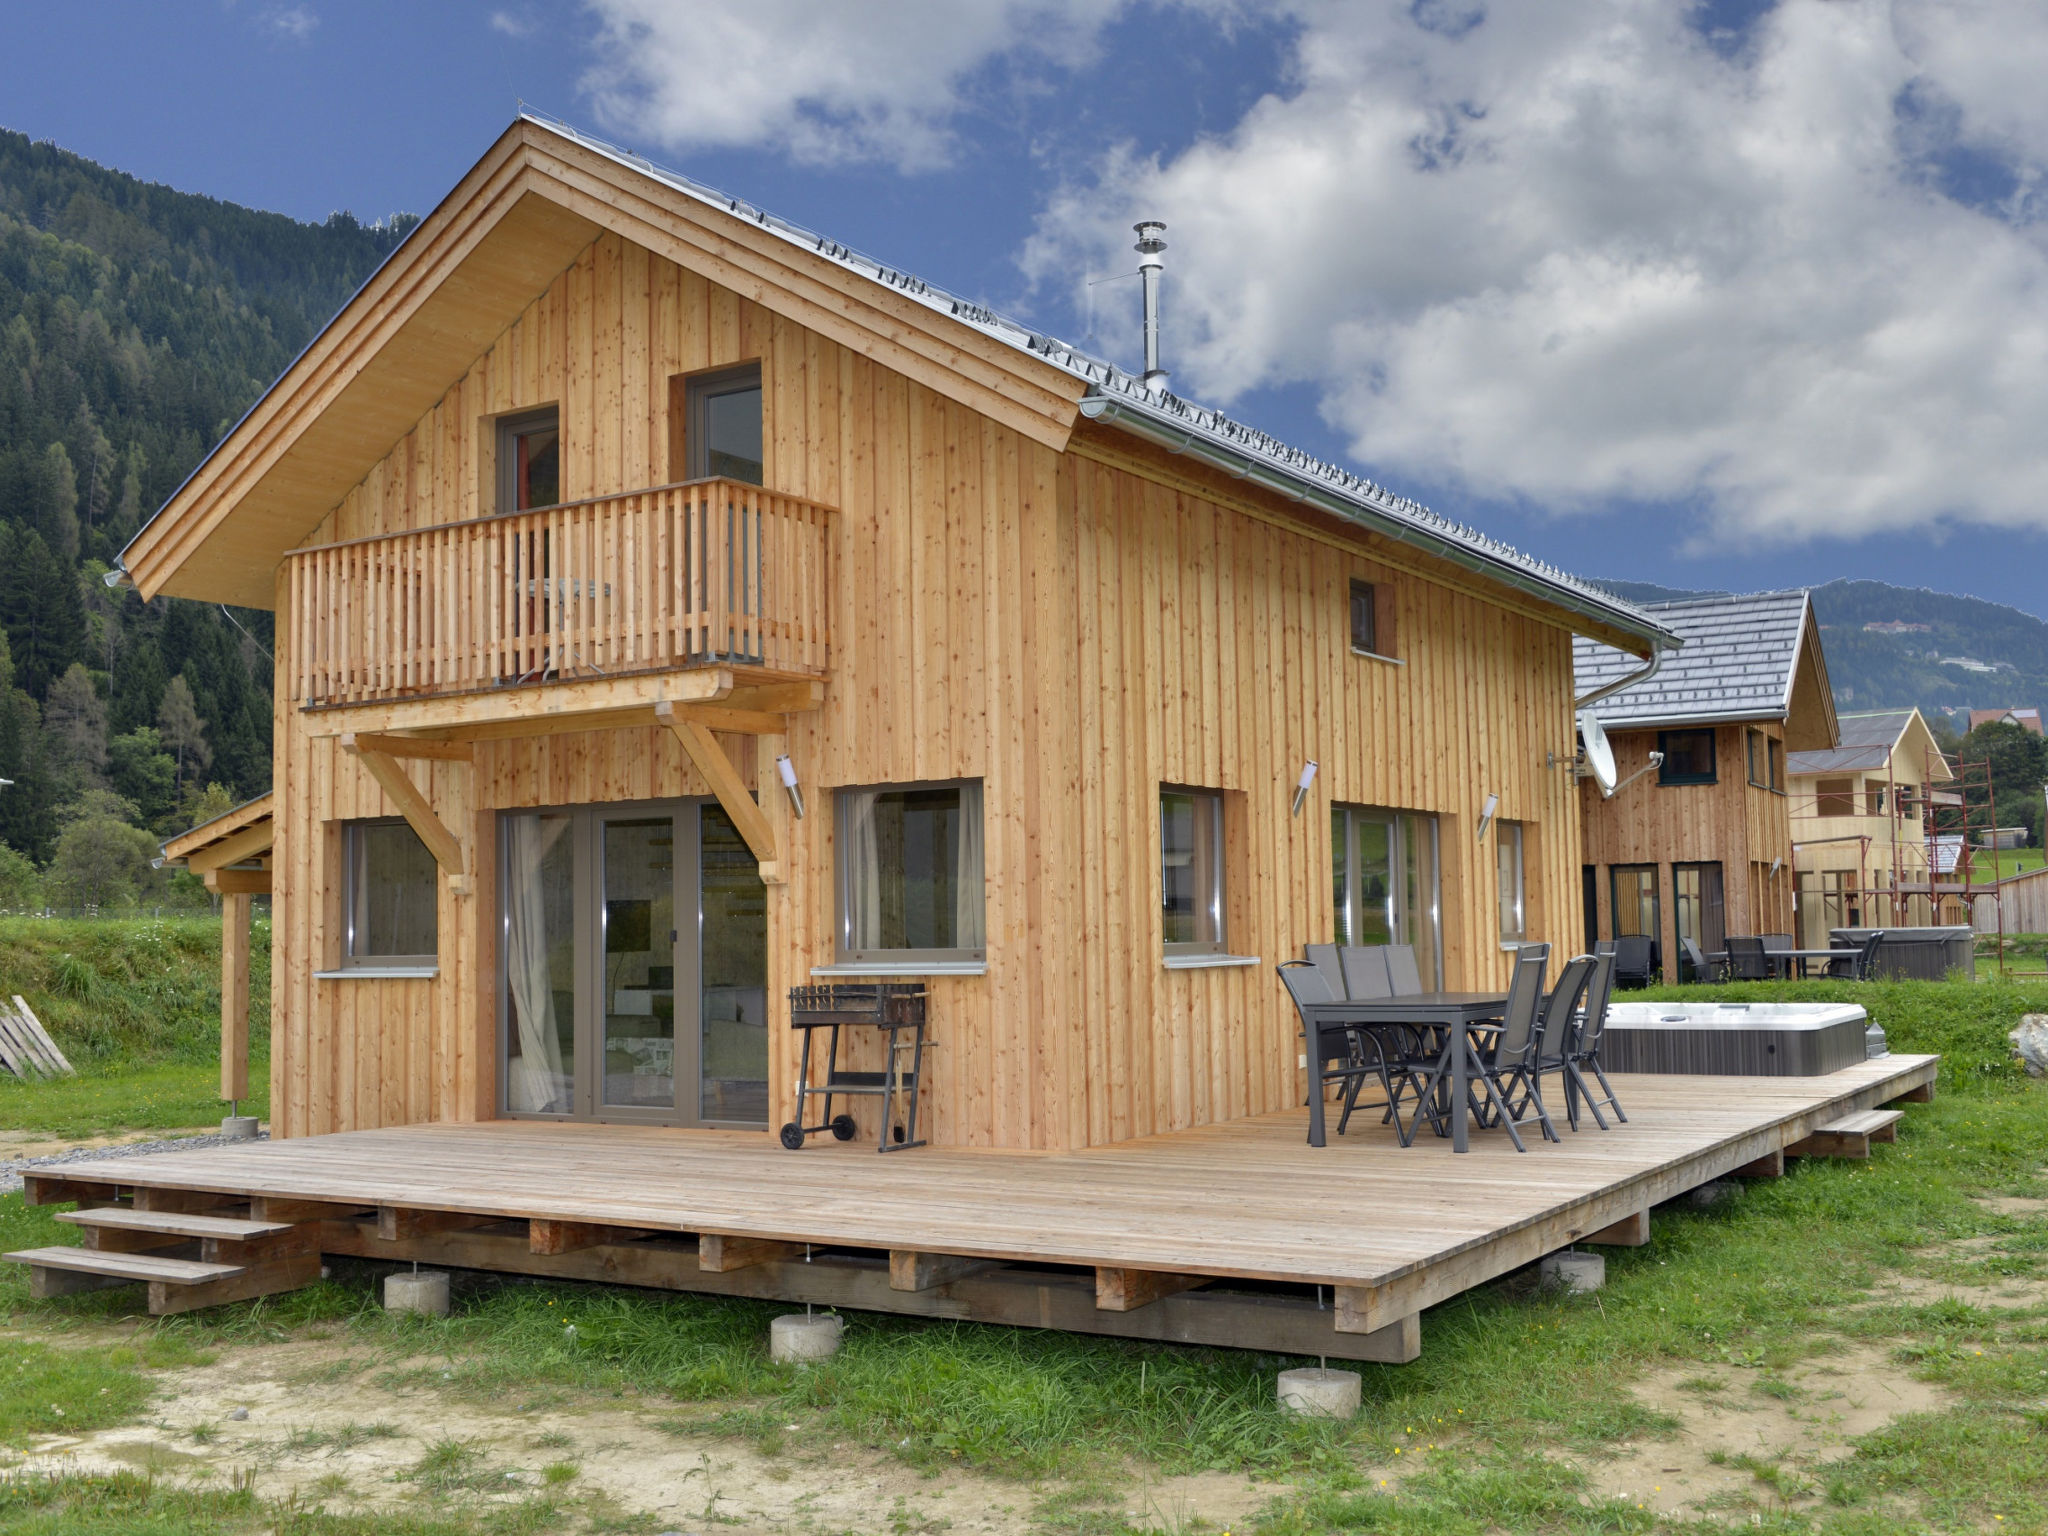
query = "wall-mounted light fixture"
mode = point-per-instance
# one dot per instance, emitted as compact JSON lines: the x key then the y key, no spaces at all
{"x":1776,"y":865}
{"x":1308,"y":777}
{"x":787,"y":769}
{"x":1486,"y":815}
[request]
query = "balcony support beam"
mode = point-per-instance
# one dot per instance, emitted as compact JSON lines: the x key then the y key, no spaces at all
{"x":724,"y":779}
{"x":414,"y":806}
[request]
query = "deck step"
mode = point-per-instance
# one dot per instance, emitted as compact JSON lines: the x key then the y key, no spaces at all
{"x":1849,"y":1136}
{"x":174,"y":1223}
{"x":125,"y":1266}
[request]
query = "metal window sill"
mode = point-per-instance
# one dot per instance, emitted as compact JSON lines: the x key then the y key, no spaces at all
{"x":1206,"y":962}
{"x":1392,"y":661}
{"x":380,"y":973}
{"x":905,"y":968}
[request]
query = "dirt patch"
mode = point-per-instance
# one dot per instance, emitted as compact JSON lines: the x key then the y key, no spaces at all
{"x":22,"y":1146}
{"x":1734,"y":1423}
{"x":353,"y":1445}
{"x":2014,"y":1205}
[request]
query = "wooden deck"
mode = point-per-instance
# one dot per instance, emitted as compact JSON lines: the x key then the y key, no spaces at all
{"x":1236,"y":1233}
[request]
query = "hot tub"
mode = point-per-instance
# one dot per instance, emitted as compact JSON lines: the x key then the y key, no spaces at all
{"x":1735,"y":1039}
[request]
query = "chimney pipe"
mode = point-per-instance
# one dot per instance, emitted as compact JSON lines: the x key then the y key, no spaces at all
{"x":1149,"y":267}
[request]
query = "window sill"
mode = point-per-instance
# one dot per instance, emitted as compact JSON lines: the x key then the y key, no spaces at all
{"x":905,"y":968}
{"x":1392,"y":661}
{"x":380,"y":973}
{"x":1206,"y":962}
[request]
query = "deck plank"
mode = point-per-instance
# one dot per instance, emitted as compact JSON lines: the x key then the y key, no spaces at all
{"x":1240,"y":1199}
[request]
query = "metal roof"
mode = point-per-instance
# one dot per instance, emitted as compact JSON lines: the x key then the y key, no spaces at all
{"x":1739,"y":660}
{"x":1838,"y":760}
{"x":1868,"y":741}
{"x":1122,"y":399}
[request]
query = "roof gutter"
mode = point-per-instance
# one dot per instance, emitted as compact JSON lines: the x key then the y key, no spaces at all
{"x":1626,"y":680}
{"x":1141,"y":423}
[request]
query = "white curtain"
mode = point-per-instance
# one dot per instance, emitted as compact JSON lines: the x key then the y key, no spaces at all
{"x":967,"y":873}
{"x":536,"y":1079}
{"x":864,"y":871}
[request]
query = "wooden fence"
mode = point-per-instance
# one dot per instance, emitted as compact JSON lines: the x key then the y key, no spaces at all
{"x":703,"y":573}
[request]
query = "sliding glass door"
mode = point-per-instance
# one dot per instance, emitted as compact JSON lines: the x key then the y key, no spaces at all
{"x":1384,"y":877}
{"x":634,"y":963}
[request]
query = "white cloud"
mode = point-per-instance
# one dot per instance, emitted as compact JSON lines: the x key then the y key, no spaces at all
{"x":295,"y":22}
{"x":1569,"y":252}
{"x":822,"y":80}
{"x":511,"y":25}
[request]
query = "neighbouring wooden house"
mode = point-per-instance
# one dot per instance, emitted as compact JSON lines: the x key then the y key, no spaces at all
{"x":1860,"y":825}
{"x":606,"y":493}
{"x":675,"y":607}
{"x":1699,"y":846}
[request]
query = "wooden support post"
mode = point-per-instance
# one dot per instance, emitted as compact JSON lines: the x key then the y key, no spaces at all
{"x":718,"y":772}
{"x":396,"y":1223}
{"x":913,"y":1271}
{"x":54,"y":1189}
{"x":1770,"y":1166}
{"x":1126,"y":1290}
{"x":718,"y":1254}
{"x":234,"y":997}
{"x":45,"y":1283}
{"x":545,"y":1235}
{"x":414,"y":806}
{"x":1923,"y":1094}
{"x":1629,"y":1232}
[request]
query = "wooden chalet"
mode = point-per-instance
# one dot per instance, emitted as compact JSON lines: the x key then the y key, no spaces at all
{"x":1698,"y":844}
{"x":675,"y":607}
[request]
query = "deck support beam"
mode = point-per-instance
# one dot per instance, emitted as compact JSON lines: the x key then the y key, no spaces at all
{"x":910,"y":1270}
{"x":1631,"y":1231}
{"x":545,"y":1236}
{"x":395,"y":1223}
{"x":284,"y":1208}
{"x":1125,"y":1290}
{"x":414,"y":806}
{"x":724,"y":779}
{"x":1770,"y":1166}
{"x":718,"y":1254}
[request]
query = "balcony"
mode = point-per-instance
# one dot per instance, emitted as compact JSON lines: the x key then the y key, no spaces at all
{"x":708,"y":573}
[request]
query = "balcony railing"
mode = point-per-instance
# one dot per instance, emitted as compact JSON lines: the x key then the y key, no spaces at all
{"x":712,"y":572}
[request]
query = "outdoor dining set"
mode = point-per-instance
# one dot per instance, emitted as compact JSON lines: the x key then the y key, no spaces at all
{"x":1452,"y":1060}
{"x":1754,"y":957}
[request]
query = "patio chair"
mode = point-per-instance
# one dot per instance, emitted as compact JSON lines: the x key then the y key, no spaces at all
{"x":1585,"y":1051}
{"x":1856,"y":966}
{"x":1365,"y":970}
{"x":1703,"y":969}
{"x":1634,"y":960}
{"x":1505,"y":1060}
{"x":1555,"y":1039}
{"x":1748,"y":960}
{"x":1402,"y":970}
{"x":1324,"y":958}
{"x":1307,"y":985}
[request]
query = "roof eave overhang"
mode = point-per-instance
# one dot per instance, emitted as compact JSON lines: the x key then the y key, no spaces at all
{"x":1691,"y":718}
{"x":1597,"y":620}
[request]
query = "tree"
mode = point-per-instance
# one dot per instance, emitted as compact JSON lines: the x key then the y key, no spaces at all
{"x":21,"y":888}
{"x":25,"y":819}
{"x":42,"y":611}
{"x":177,"y":720}
{"x":75,"y":722}
{"x":102,"y":859}
{"x":141,"y":770}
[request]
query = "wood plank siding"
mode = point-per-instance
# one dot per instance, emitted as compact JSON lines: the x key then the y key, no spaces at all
{"x":1071,"y":628}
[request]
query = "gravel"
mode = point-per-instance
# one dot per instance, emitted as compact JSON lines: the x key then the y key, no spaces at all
{"x":10,"y":1172}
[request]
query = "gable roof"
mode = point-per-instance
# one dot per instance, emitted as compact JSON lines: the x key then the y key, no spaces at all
{"x":541,"y":194}
{"x":1869,"y":739}
{"x":2027,"y":719}
{"x":1744,"y":658}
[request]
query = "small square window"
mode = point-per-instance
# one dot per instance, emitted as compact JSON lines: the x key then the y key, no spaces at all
{"x":1372,"y":619}
{"x":911,"y":881}
{"x":529,"y":460}
{"x":722,"y":434}
{"x":1191,"y":871}
{"x":390,"y":894}
{"x":1834,"y":797}
{"x":1688,"y":757}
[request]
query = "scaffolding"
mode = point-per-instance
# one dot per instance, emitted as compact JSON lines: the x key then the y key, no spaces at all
{"x":1931,"y":863}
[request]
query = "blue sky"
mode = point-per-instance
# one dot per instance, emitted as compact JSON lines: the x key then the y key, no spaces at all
{"x":1731,"y":295}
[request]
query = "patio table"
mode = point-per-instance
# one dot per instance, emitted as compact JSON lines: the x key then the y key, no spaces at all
{"x":1773,"y":956}
{"x":1457,"y":1013}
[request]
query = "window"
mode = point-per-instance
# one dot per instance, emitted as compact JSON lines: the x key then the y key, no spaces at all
{"x":1191,"y":902}
{"x":1759,"y":758}
{"x":1372,"y":619}
{"x":1834,"y":797}
{"x":1507,"y":856}
{"x":1634,"y":896}
{"x":1688,"y":757}
{"x":529,"y":460}
{"x":1777,"y":755}
{"x":1873,"y":798}
{"x":721,"y":418}
{"x":910,"y":874}
{"x":1384,"y":874}
{"x":1698,"y":910}
{"x":390,"y":894}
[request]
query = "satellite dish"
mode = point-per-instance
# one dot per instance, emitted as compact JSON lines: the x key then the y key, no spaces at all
{"x":1599,"y":754}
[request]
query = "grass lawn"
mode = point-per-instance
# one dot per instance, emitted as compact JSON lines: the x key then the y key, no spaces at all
{"x":1519,"y":1417}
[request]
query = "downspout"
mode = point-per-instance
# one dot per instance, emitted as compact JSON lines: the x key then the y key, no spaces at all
{"x":1649,"y":670}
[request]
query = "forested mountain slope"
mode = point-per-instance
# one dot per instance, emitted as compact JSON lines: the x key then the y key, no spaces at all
{"x":137,"y":323}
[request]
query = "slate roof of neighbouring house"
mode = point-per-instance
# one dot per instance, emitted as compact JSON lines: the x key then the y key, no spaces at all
{"x":1868,"y":741}
{"x":1739,"y":662}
